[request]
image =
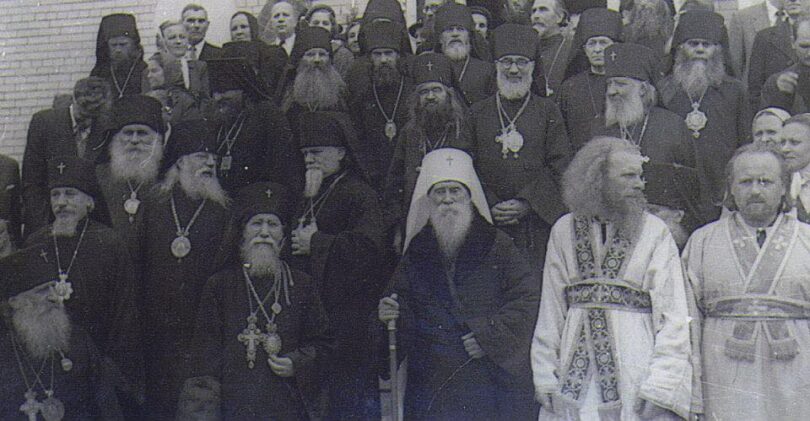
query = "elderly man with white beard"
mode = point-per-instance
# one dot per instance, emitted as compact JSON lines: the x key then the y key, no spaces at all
{"x":36,"y":331}
{"x":311,"y":82}
{"x":454,"y":25}
{"x":631,"y":114}
{"x":612,"y":339}
{"x":714,"y":105}
{"x":134,"y":156}
{"x":437,"y":120}
{"x":520,"y":146}
{"x":184,"y":228}
{"x":261,"y":330}
{"x":92,"y":270}
{"x":464,"y":300}
{"x":337,"y":239}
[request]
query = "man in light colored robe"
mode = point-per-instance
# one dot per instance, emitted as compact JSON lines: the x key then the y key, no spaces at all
{"x":753,"y":298}
{"x":612,"y":338}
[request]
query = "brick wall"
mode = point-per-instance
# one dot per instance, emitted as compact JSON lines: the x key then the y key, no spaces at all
{"x":47,"y":45}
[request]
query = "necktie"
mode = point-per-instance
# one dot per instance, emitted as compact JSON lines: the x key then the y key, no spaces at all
{"x":780,"y":15}
{"x":761,"y":236}
{"x":192,"y":52}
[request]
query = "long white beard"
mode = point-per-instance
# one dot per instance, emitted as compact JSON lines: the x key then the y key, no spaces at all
{"x":513,"y":90}
{"x":451,"y":223}
{"x":457,"y":51}
{"x":200,"y":187}
{"x":312,"y":182}
{"x":42,"y":333}
{"x":135,"y":165}
{"x":262,"y":257}
{"x":319,"y":87}
{"x":623,"y":111}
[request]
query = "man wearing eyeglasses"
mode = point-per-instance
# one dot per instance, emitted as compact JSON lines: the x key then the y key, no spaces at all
{"x":520,"y":146}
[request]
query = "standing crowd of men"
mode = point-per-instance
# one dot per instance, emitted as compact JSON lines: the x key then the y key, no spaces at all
{"x":560,"y":209}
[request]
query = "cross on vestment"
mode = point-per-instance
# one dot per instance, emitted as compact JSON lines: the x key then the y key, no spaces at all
{"x":429,"y":65}
{"x":61,"y":167}
{"x":44,"y":255}
{"x":268,"y":192}
{"x":449,"y":161}
{"x":613,"y":56}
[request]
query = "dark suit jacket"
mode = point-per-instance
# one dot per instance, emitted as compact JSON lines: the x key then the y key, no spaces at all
{"x":10,"y":196}
{"x":50,"y":134}
{"x":209,"y":51}
{"x":772,"y":52}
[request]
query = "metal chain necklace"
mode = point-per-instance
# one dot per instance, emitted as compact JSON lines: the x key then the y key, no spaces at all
{"x":463,"y":70}
{"x":316,"y":205}
{"x":390,"y":125}
{"x":252,"y":336}
{"x":52,"y":409}
{"x":132,"y":204}
{"x":696,"y":120}
{"x":63,"y":288}
{"x":181,"y":245}
{"x":628,"y":134}
{"x":118,"y":88}
{"x":549,"y":91}
{"x":229,"y":141}
{"x":510,"y":138}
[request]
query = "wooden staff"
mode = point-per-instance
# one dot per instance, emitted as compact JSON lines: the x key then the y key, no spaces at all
{"x":392,"y":366}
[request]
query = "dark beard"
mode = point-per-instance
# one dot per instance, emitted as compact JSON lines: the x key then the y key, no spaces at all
{"x":434,"y":121}
{"x":385,"y":76}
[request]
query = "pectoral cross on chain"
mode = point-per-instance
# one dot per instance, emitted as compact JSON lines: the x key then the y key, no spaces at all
{"x":32,"y":406}
{"x":251,"y":337}
{"x":61,"y":167}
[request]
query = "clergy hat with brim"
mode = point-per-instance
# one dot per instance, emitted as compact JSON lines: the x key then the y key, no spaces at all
{"x":431,"y":67}
{"x":453,"y":14}
{"x":382,"y":35}
{"x":117,"y":25}
{"x":320,"y":128}
{"x":227,"y":74}
{"x":598,"y":22}
{"x":72,"y":171}
{"x":670,"y":184}
{"x":23,"y":270}
{"x":514,"y":39}
{"x":383,"y":10}
{"x":630,"y":60}
{"x":190,"y":137}
{"x":699,"y":24}
{"x":263,"y":197}
{"x":307,"y":38}
{"x":138,"y":109}
{"x":576,"y":7}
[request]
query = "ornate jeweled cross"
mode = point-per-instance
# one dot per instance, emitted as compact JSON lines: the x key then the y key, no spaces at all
{"x":251,"y":337}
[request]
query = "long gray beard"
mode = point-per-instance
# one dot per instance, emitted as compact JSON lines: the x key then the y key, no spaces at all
{"x":451,"y":223}
{"x":318,"y":87}
{"x":42,"y":334}
{"x":456,"y":51}
{"x":137,"y":166}
{"x":263,"y":258}
{"x":312,"y":183}
{"x":65,"y":226}
{"x":695,"y":76}
{"x":623,"y":111}
{"x":197,"y":187}
{"x":513,"y":90}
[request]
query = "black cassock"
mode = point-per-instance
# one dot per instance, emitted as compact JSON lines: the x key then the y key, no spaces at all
{"x":84,"y":390}
{"x":257,"y":393}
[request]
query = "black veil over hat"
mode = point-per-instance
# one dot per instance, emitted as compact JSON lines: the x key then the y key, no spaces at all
{"x":114,"y":25}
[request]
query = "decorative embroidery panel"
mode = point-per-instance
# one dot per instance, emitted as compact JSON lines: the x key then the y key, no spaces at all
{"x":607,"y":295}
